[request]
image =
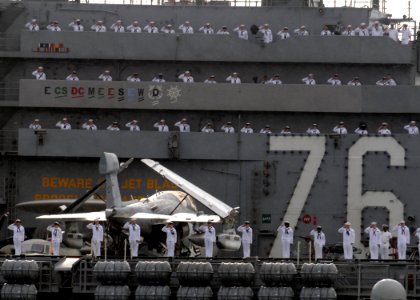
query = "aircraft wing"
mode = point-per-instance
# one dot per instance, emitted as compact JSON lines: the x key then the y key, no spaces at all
{"x":89,"y":216}
{"x":53,"y":206}
{"x":148,"y":216}
{"x":211,"y":202}
{"x":186,"y":217}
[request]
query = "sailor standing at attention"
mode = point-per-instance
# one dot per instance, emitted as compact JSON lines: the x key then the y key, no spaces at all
{"x":56,"y":237}
{"x":403,"y":234}
{"x":18,"y":235}
{"x":374,"y":240}
{"x":319,"y":241}
{"x":171,"y":238}
{"x":286,"y":238}
{"x":133,"y":237}
{"x":386,"y":237}
{"x":348,"y":240}
{"x":209,"y":237}
{"x":246,"y":238}
{"x":97,"y":237}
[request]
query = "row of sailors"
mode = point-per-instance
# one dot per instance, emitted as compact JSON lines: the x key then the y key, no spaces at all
{"x":234,"y":78}
{"x":183,"y":126}
{"x":362,"y":30}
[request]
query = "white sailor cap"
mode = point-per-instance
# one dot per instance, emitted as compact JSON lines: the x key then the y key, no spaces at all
{"x":347,"y":223}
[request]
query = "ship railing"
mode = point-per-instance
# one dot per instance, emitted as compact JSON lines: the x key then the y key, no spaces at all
{"x":9,"y":91}
{"x":9,"y":42}
{"x":8,"y":141}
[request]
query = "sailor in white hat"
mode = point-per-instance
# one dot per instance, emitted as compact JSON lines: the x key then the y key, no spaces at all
{"x":54,"y":26}
{"x":325,"y":31}
{"x":56,"y":237}
{"x":362,"y":30}
{"x":186,"y":77}
{"x":133,"y":125}
{"x":242,"y":32}
{"x":348,"y":240}
{"x":309,"y":80}
{"x":405,"y":34}
{"x":167,"y":29}
{"x":313,"y":130}
{"x":32,"y":25}
{"x":412,"y":128}
{"x":209,"y":237}
{"x":207,"y":29}
{"x":35,"y":125}
{"x":73,"y":76}
{"x":113,"y":127}
{"x":301,"y":31}
{"x":374,"y":240}
{"x":98,"y":26}
{"x":340,"y":128}
{"x":134,"y":231}
{"x":334,"y":80}
{"x":247,"y":128}
{"x":284,"y":33}
{"x":97,"y":237}
{"x":63,"y":124}
{"x":161,"y":126}
{"x":186,"y":28}
{"x":89,"y":125}
{"x":267,"y":33}
{"x":223,"y":31}
{"x":386,"y":237}
{"x":376,"y":29}
{"x":134,"y":77}
{"x":349,"y":31}
{"x":151,"y":27}
{"x":208,"y":128}
{"x":134,"y":27}
{"x":18,"y":235}
{"x":234,"y":78}
{"x":171,"y":238}
{"x":39,"y":74}
{"x":211,"y":79}
{"x":246,"y":231}
{"x":403,"y":235}
{"x":319,"y":241}
{"x":118,"y":26}
{"x":76,"y":25}
{"x":183,"y":125}
{"x":228,"y":128}
{"x":286,"y":238}
{"x":105,"y":76}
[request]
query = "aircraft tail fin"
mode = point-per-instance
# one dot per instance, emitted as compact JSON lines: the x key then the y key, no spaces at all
{"x":109,"y":166}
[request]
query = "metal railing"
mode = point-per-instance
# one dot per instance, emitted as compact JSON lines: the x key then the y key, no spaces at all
{"x":9,"y":42}
{"x":9,"y":91}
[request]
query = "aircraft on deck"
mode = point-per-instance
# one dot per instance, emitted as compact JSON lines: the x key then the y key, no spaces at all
{"x":151,"y":212}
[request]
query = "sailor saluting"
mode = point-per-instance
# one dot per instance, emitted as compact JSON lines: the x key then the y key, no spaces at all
{"x":171,"y":238}
{"x":56,"y":237}
{"x":18,"y":235}
{"x":97,"y":237}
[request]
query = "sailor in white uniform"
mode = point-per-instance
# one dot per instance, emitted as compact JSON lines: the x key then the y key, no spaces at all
{"x":301,"y":31}
{"x":134,"y":78}
{"x":76,"y":25}
{"x":39,"y":74}
{"x":97,"y":237}
{"x":242,"y":32}
{"x":171,"y":238}
{"x":340,"y":129}
{"x":54,"y":26}
{"x":208,"y":128}
{"x":211,"y":79}
{"x":161,"y":126}
{"x":133,"y":125}
{"x":89,"y":125}
{"x":267,"y":34}
{"x":386,"y":237}
{"x":134,"y":232}
{"x":186,"y":77}
{"x":335,"y":80}
{"x":361,"y":30}
{"x":207,"y":29}
{"x":325,"y":31}
{"x":384,"y":130}
{"x":286,"y":238}
{"x":118,"y":26}
{"x":18,"y":235}
{"x":286,"y":131}
{"x":186,"y":28}
{"x":32,"y":26}
{"x":309,"y":80}
{"x":72,"y":76}
{"x":392,"y":33}
{"x":405,"y":34}
{"x":349,"y":31}
{"x":247,"y":128}
{"x":348,"y":240}
{"x":266,"y":129}
{"x":209,"y":238}
{"x":313,"y":130}
{"x":319,"y":241}
{"x":98,"y":27}
{"x":35,"y":125}
{"x":56,"y":237}
{"x":183,"y":125}
{"x":412,"y":128}
{"x":63,"y":124}
{"x":233,"y":79}
{"x":362,"y":129}
{"x":275,"y":80}
{"x":354,"y":82}
{"x":105,"y":76}
{"x":228,"y":128}
{"x":167,"y":29}
{"x":403,"y":235}
{"x":151,"y":28}
{"x":284,"y":33}
{"x":159,"y":78}
{"x":223,"y":31}
{"x":376,"y":29}
{"x":246,"y":231}
{"x":374,"y":240}
{"x":134,"y":27}
{"x":113,"y":127}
